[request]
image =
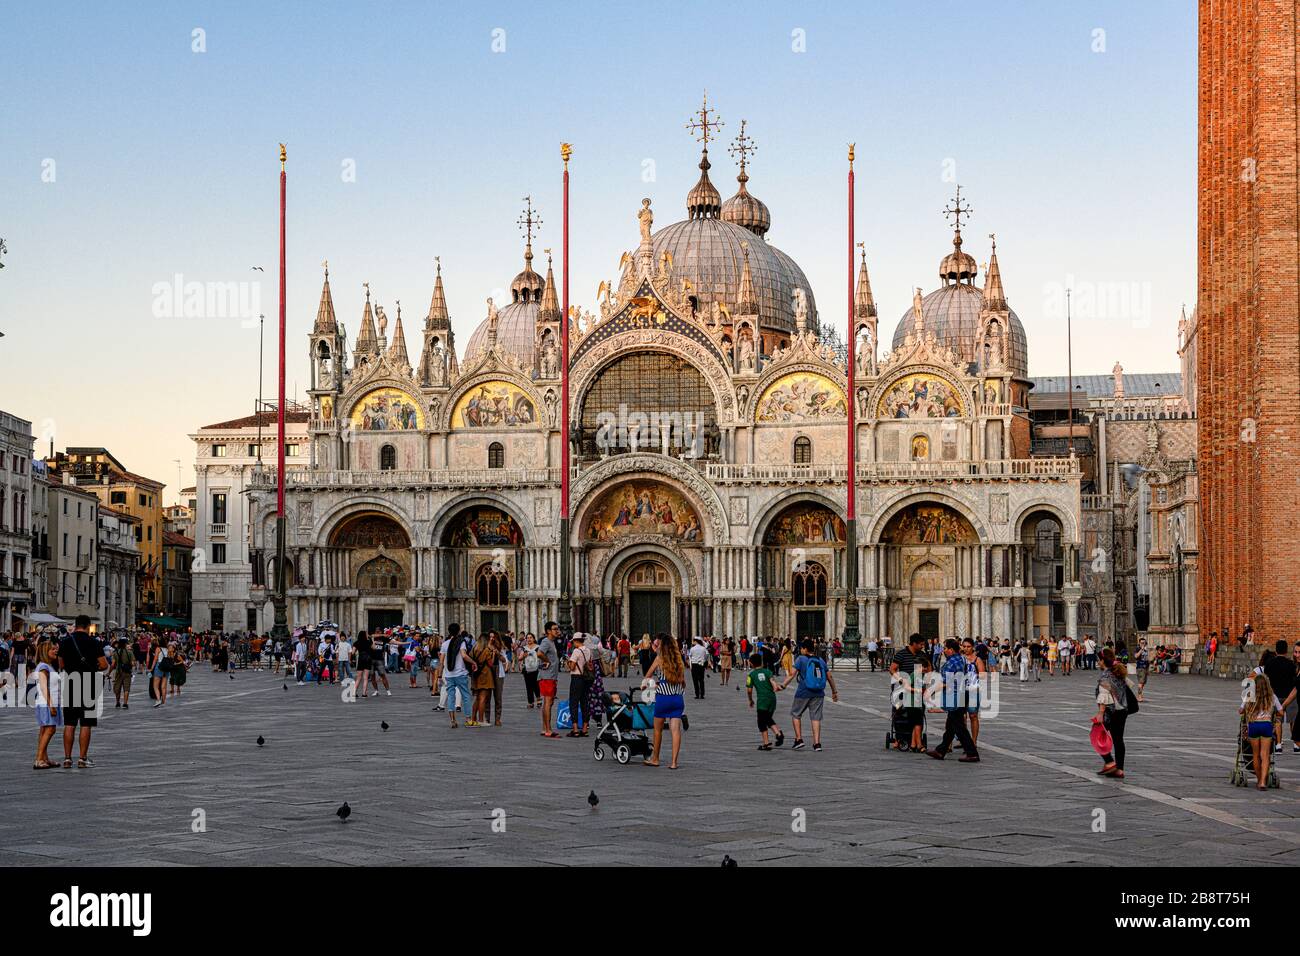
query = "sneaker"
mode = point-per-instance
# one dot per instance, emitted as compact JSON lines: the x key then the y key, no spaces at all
{"x":798,"y":744}
{"x":389,"y":693}
{"x":764,"y":746}
{"x":1277,"y":748}
{"x":817,"y":747}
{"x":1295,"y":748}
{"x":780,"y":738}
{"x":159,"y":704}
{"x":968,"y":759}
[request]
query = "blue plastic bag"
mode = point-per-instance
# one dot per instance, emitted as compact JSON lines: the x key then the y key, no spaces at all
{"x":563,"y":719}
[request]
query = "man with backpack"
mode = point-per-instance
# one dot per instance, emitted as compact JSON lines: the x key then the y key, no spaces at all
{"x":123,"y":666}
{"x":813,"y":676}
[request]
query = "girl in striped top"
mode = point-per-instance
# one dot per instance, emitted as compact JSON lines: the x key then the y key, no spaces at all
{"x":670,"y":689}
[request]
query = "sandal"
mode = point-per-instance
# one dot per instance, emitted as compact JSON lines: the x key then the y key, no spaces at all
{"x":41,"y":765}
{"x":67,"y":763}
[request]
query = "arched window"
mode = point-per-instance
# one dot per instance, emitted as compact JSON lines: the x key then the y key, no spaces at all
{"x":493,"y":587}
{"x":496,"y":455}
{"x":809,"y":585}
{"x":803,"y":450}
{"x":651,"y":381}
{"x":387,"y":458}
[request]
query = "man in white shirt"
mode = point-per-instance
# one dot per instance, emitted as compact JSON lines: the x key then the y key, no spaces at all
{"x":699,"y":658}
{"x":345,"y":659}
{"x":873,"y":653}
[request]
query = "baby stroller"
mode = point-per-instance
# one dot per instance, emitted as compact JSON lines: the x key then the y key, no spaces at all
{"x":623,"y":731}
{"x":1243,"y":770}
{"x":900,"y":730}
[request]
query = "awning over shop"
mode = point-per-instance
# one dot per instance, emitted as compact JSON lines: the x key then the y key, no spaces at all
{"x":167,"y":621}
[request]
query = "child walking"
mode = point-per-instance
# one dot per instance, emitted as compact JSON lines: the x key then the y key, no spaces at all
{"x":1259,"y":707}
{"x":759,"y":683}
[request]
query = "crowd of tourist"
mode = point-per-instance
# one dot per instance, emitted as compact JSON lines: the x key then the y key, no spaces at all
{"x":466,"y":675}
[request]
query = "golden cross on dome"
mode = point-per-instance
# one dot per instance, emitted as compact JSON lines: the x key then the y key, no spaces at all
{"x":742,"y":146}
{"x":955,"y":210}
{"x":703,"y":127}
{"x":528,"y":219}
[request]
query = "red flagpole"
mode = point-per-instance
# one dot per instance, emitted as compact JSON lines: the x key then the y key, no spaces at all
{"x":565,"y":151}
{"x":279,"y":455}
{"x":564,"y":612}
{"x":852,"y":395}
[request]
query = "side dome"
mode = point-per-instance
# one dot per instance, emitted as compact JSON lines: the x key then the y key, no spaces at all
{"x":952,"y":313}
{"x":516,"y":331}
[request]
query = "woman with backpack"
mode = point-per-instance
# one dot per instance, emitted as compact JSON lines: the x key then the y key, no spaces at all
{"x":581,"y":664}
{"x":483,"y":679}
{"x":1115,"y":701}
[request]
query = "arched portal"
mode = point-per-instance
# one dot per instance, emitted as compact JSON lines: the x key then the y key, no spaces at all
{"x":376,"y":557}
{"x":801,"y":561}
{"x":481,"y":550}
{"x":929,"y":556}
{"x":1046,"y":559}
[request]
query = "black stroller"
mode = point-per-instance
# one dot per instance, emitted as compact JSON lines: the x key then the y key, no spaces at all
{"x":623,"y":731}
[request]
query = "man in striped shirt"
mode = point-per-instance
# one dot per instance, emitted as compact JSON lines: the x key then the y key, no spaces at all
{"x":907,"y":661}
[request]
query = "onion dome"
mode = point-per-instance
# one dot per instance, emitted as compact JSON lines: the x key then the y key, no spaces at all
{"x":704,"y":201}
{"x":528,"y":285}
{"x":958,"y":266}
{"x":744,"y":209}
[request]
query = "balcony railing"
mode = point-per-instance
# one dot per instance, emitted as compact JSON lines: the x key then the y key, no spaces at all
{"x":1098,"y":502}
{"x":217,"y":529}
{"x":1014,"y":468}
{"x":439,"y":478}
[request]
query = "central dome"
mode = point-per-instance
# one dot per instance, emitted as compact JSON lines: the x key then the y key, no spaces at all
{"x":710,"y":253}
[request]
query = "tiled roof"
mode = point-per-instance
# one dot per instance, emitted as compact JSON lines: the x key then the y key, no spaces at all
{"x":177,"y":540}
{"x":261,"y":418}
{"x":1103,"y":386}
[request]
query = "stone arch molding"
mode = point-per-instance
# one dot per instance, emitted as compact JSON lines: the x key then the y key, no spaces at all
{"x":489,"y":499}
{"x":967,"y":508}
{"x":653,"y":466}
{"x":326,"y":523}
{"x":1069,"y":527}
{"x":617,"y":346}
{"x":777,"y":370}
{"x":774,"y":508}
{"x":639,"y":546}
{"x":482,"y":377}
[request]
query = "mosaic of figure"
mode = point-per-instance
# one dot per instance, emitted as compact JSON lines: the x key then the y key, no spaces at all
{"x":494,"y":405}
{"x":643,"y":508}
{"x":386,"y":409}
{"x":929,"y":524}
{"x":806,"y":524}
{"x":799,"y":397}
{"x":484,"y":528}
{"x":920,"y":396}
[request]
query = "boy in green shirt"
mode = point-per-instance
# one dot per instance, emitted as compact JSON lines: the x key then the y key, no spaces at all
{"x":760,"y":682}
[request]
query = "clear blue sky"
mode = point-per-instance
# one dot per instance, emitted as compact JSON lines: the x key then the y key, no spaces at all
{"x":165,"y":163}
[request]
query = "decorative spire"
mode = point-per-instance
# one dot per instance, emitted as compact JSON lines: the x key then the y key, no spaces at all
{"x":438,"y":317}
{"x":325,"y":321}
{"x":995,"y":300}
{"x":397,"y":350}
{"x":864,"y":306}
{"x":367,"y":340}
{"x":704,"y":201}
{"x":528,"y":219}
{"x":746,"y":302}
{"x":744,"y":209}
{"x":957,"y":265}
{"x":550,"y":310}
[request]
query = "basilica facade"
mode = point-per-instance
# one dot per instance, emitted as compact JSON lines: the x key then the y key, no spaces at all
{"x":708,"y":424}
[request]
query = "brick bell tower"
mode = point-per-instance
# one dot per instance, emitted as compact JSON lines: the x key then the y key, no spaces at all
{"x":1248,"y":352}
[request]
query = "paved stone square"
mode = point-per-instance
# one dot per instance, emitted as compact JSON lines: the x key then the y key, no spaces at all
{"x":422,"y":793}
